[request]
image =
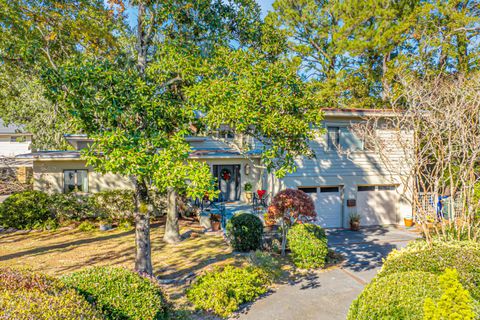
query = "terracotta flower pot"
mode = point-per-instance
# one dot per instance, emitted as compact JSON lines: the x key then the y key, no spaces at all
{"x":216,"y":225}
{"x":354,"y":225}
{"x":408,"y":222}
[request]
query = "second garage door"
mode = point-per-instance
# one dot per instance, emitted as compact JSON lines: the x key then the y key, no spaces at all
{"x":328,"y":204}
{"x":377,"y":204}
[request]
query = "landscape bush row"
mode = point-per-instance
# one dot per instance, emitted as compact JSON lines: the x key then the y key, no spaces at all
{"x":38,"y":210}
{"x":95,"y":293}
{"x":424,"y":281}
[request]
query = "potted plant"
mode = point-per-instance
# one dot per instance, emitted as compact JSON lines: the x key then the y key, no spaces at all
{"x":408,"y":220}
{"x":215,"y":220}
{"x":248,"y":191}
{"x":269,"y":223}
{"x":354,"y":222}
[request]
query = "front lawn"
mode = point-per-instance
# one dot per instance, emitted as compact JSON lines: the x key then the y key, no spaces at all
{"x":68,"y":250}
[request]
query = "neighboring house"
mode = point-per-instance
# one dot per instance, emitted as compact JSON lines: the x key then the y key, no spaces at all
{"x":13,"y":140}
{"x":353,"y":179}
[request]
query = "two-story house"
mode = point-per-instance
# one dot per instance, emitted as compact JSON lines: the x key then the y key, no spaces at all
{"x":346,"y":175}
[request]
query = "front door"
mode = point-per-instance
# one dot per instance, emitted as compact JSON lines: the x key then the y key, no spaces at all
{"x":228,"y":178}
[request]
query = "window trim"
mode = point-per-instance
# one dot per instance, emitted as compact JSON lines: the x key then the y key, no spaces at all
{"x":76,"y":171}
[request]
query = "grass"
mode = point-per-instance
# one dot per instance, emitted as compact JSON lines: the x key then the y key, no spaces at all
{"x":68,"y":250}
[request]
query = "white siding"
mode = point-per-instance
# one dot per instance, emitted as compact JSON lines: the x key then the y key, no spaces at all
{"x":10,"y":149}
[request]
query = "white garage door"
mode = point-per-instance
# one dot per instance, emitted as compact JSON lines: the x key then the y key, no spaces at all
{"x":328,"y":204}
{"x":377,"y":205}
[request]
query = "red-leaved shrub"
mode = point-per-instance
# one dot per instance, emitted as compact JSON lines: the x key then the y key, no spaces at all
{"x":291,"y":204}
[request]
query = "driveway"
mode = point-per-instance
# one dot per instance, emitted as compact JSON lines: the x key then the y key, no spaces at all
{"x":328,"y":294}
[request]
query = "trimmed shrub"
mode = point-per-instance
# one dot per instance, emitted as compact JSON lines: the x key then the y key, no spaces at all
{"x":455,"y":302}
{"x":28,"y":295}
{"x":72,"y":207}
{"x":119,"y":293}
{"x":308,"y":245}
{"x":223,"y":291}
{"x":245,"y":232}
{"x":25,"y":210}
{"x":396,"y":296}
{"x":116,"y":204}
{"x":418,"y":256}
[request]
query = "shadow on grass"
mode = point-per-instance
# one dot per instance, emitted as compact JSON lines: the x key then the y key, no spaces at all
{"x":42,"y":250}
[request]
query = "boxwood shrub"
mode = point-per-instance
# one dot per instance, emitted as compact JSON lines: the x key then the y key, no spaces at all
{"x":223,"y":291}
{"x":26,"y":210}
{"x":245,"y":232}
{"x":419,"y":256}
{"x":308,"y":245}
{"x":28,"y":295}
{"x":396,"y":296}
{"x":119,"y":293}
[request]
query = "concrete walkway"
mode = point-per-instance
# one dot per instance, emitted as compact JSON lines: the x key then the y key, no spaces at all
{"x":328,"y":294}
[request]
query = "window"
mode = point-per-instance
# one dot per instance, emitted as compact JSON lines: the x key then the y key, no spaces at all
{"x":391,"y":188}
{"x":75,"y":180}
{"x":308,"y":190}
{"x":366,"y":188}
{"x":329,"y":189}
{"x":333,"y":137}
{"x":376,"y":188}
{"x":344,"y":138}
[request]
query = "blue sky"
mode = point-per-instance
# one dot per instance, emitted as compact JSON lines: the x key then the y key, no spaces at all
{"x":266,"y":5}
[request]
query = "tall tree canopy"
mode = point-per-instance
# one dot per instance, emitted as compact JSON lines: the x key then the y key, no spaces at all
{"x":353,"y":49}
{"x":194,"y":67}
{"x":35,"y":35}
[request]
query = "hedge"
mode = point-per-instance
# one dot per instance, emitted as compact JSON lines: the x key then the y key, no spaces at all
{"x":26,"y":210}
{"x":28,"y":295}
{"x":419,"y":256}
{"x":119,"y":293}
{"x":396,"y":296}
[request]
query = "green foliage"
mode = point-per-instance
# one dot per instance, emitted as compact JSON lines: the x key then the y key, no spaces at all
{"x":245,"y":232}
{"x":116,"y":204}
{"x":352,"y":50}
{"x":454,"y":303}
{"x":395,"y":296}
{"x":283,"y":117}
{"x":308,"y":245}
{"x":223,"y":291}
{"x":28,"y":295}
{"x":119,"y":293}
{"x":25,"y":210}
{"x":72,"y":207}
{"x":86,"y":226}
{"x":266,"y":262}
{"x":419,"y":256}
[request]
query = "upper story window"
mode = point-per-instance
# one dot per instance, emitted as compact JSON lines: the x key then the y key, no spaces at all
{"x":75,"y":181}
{"x":343,"y":138}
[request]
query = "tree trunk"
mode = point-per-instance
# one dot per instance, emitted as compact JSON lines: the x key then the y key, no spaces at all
{"x":143,"y":249}
{"x":172,"y":232}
